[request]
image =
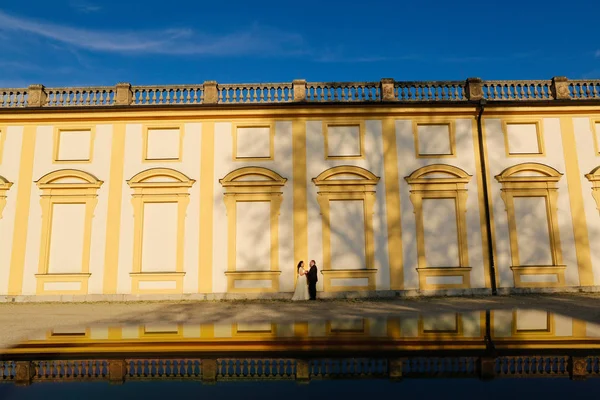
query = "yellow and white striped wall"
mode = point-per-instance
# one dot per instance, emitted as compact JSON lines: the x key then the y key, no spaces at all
{"x":226,"y":201}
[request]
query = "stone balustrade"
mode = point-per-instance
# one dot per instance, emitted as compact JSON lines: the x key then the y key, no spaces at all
{"x":386,"y":90}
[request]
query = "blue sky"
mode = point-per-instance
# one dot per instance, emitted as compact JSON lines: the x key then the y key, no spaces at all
{"x":102,"y":42}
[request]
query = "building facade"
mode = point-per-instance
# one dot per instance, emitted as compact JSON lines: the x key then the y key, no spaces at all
{"x":218,"y":191}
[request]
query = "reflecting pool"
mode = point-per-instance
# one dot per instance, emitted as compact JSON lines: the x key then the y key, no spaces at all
{"x":347,"y":357}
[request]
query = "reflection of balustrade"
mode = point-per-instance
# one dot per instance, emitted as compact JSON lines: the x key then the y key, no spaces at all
{"x":524,"y":366}
{"x":7,"y":370}
{"x":163,"y":368}
{"x":440,"y":366}
{"x":248,"y":368}
{"x":70,"y":370}
{"x":227,"y":369}
{"x":354,"y":367}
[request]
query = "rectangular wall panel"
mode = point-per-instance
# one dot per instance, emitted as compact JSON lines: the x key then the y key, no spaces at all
{"x":532,"y":231}
{"x":66,"y":238}
{"x":347,"y":224}
{"x":253,"y":236}
{"x":343,"y":141}
{"x":159,"y":243}
{"x":441,"y":233}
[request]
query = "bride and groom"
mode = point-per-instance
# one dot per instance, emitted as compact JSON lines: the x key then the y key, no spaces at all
{"x":306,"y":284}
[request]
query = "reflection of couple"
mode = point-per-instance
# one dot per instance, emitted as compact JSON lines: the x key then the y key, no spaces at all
{"x":306,"y":289}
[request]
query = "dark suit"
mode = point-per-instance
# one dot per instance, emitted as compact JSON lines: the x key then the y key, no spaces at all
{"x":311,"y":280}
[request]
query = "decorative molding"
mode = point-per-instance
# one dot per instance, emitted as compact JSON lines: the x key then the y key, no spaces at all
{"x":253,"y":184}
{"x":252,"y":124}
{"x":539,"y":131}
{"x":158,"y":185}
{"x":346,"y":182}
{"x":146,"y":128}
{"x":441,"y":181}
{"x":435,"y":122}
{"x":66,"y":186}
{"x":344,"y":123}
{"x":58,"y":130}
{"x":533,"y":180}
{"x":593,"y":177}
{"x":4,"y":187}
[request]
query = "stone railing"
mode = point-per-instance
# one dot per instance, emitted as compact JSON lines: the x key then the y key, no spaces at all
{"x":300,"y":91}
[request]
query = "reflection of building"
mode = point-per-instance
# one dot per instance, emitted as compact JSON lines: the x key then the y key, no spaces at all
{"x":215,"y":190}
{"x":521,"y":343}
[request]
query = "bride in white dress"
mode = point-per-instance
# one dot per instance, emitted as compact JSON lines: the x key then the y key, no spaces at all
{"x":301,"y":292}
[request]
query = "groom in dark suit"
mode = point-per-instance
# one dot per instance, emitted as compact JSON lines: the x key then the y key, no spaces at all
{"x":311,"y":280}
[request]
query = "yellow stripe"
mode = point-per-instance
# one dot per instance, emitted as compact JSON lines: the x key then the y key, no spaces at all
{"x":482,"y":220}
{"x":299,"y":192}
{"x":113,"y":224}
{"x":579,"y":328}
{"x":207,"y":172}
{"x":17,"y":261}
{"x":207,"y":331}
{"x":392,"y":204}
{"x":490,"y":197}
{"x":580,"y":230}
{"x":115,"y":333}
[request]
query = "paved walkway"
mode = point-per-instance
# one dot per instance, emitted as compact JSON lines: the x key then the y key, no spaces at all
{"x":19,"y":320}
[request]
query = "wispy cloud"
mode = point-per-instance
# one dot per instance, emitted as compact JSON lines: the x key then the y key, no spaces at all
{"x":175,"y":41}
{"x":341,"y":55}
{"x":85,"y":7}
{"x":597,"y":53}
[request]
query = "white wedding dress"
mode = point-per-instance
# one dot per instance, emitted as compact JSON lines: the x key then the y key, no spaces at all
{"x":301,"y":292}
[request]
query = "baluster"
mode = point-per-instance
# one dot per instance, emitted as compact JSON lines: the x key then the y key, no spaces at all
{"x":264,"y":94}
